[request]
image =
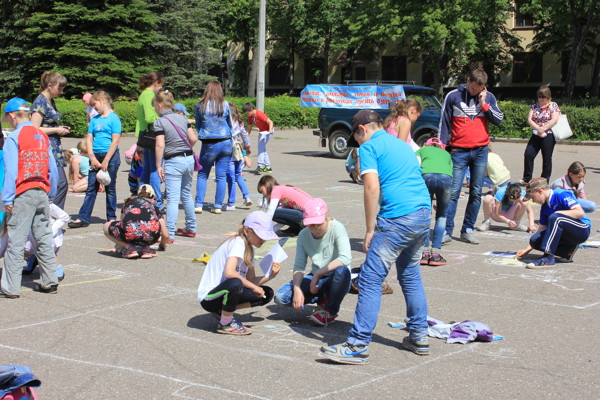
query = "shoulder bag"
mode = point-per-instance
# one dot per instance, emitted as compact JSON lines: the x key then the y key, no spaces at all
{"x":197,"y":165}
{"x":562,"y":130}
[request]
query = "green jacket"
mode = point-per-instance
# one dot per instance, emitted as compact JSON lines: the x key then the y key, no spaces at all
{"x":145,"y":112}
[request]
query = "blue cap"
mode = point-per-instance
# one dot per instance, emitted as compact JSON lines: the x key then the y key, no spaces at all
{"x":16,"y":104}
{"x":181,"y":107}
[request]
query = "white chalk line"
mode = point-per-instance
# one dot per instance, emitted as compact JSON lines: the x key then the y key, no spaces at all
{"x":130,"y":369}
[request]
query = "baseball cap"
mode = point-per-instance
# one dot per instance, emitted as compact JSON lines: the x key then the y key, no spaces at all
{"x":181,"y":107}
{"x":86,"y":98}
{"x":148,"y":189}
{"x":435,"y":141}
{"x":260,"y":222}
{"x":362,"y":117}
{"x":315,"y":211}
{"x":533,"y":185}
{"x":15,"y":104}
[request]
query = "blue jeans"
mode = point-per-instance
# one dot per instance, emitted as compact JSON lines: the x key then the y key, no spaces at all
{"x":332,"y":290}
{"x":85,"y":212}
{"x":290,"y":217}
{"x":398,"y":240}
{"x":439,"y":185}
{"x":150,"y":175}
{"x":219,"y":154}
{"x":587,"y":205}
{"x":234,"y":175}
{"x":179,"y":173}
{"x":475,"y":161}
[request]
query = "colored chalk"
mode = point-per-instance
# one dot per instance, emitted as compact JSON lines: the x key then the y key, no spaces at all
{"x":396,"y":325}
{"x":498,"y":337}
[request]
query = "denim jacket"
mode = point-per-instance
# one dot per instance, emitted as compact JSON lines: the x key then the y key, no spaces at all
{"x":14,"y":376}
{"x":211,"y":126}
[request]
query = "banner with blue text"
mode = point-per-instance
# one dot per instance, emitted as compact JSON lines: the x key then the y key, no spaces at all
{"x":359,"y":97}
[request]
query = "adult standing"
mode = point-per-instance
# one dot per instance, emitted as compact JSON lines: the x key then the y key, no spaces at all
{"x":464,"y":128}
{"x":146,"y":115}
{"x":174,"y":141}
{"x":543,"y":115}
{"x":214,"y":131}
{"x":45,"y":116}
{"x":392,"y":178}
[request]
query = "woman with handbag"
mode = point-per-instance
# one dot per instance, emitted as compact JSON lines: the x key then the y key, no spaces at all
{"x":174,"y":142}
{"x":146,"y":115}
{"x":542,"y":117}
{"x":241,"y":144}
{"x":214,"y":131}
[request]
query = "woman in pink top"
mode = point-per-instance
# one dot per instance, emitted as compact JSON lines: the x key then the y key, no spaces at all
{"x":403,"y":115}
{"x":286,"y":203}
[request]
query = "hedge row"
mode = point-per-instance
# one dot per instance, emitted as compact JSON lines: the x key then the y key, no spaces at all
{"x":285,"y":111}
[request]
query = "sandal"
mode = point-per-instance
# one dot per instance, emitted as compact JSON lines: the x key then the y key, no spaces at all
{"x":130,"y":252}
{"x":435,"y":260}
{"x":234,"y":328}
{"x":147,"y":252}
{"x":425,"y":258}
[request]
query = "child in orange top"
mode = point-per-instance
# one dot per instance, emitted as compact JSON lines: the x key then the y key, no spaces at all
{"x":265,"y":128}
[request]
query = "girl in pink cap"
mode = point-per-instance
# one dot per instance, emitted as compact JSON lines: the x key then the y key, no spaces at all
{"x":229,"y":281}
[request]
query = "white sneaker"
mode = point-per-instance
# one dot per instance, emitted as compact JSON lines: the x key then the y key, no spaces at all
{"x":521,"y":228}
{"x":485,"y":225}
{"x":229,"y":208}
{"x":216,"y":211}
{"x":198,"y":210}
{"x":247,"y":202}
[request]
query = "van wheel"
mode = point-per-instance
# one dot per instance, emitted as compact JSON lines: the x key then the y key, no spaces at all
{"x":423,"y":137}
{"x":338,"y":143}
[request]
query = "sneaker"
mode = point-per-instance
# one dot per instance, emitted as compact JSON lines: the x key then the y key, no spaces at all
{"x":78,"y":224}
{"x":447,"y":239}
{"x":9,"y":295}
{"x":170,"y":241}
{"x":346,"y":353}
{"x":545,"y":262}
{"x":418,"y":346}
{"x":247,"y":202}
{"x":60,"y":273}
{"x":229,"y":208}
{"x":53,"y":289}
{"x":216,"y":211}
{"x":234,"y":328}
{"x":258,"y":170}
{"x":198,"y":210}
{"x":435,"y":260}
{"x":267,"y":170}
{"x":521,"y":228}
{"x":185,"y":232}
{"x":425,"y":257}
{"x":485,"y":225}
{"x":32,"y":262}
{"x":322,"y":317}
{"x":469,"y":237}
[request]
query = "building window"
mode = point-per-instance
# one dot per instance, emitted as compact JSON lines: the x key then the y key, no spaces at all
{"x":527,"y":67}
{"x":279,"y":71}
{"x":393,"y":68}
{"x":522,"y":20}
{"x":360,"y":73}
{"x":313,"y":71}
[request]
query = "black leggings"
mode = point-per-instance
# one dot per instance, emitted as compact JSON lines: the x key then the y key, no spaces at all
{"x":228,"y":294}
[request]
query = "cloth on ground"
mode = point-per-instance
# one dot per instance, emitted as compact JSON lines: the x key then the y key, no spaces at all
{"x":460,"y":332}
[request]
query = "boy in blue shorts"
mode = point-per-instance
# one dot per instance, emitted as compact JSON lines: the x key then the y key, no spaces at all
{"x":563,"y":224}
{"x":392,"y":181}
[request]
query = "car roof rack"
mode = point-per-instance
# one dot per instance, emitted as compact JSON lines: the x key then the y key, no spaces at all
{"x":357,"y":82}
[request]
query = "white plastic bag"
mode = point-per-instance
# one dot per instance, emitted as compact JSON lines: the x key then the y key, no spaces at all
{"x":562,"y":130}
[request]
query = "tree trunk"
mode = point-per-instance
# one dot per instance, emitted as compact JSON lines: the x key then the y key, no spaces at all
{"x":291,"y":69}
{"x":596,"y":74}
{"x":253,"y":73}
{"x":578,"y":36}
{"x":326,"y":49}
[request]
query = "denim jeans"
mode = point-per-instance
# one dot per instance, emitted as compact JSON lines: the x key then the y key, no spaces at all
{"x":398,"y":240}
{"x":475,"y":161}
{"x":234,"y":175}
{"x":587,"y":205}
{"x":290,"y":217}
{"x":263,"y":157}
{"x":150,"y":175}
{"x":439,"y":185}
{"x":336,"y":285}
{"x":218,"y":154}
{"x":179,"y":173}
{"x":85,"y":212}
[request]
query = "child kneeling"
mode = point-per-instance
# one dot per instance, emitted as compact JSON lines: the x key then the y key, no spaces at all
{"x":229,"y":282}
{"x":326,"y":242}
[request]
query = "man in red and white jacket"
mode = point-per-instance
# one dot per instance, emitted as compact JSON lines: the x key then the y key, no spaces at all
{"x":463,"y":128}
{"x":30,"y":177}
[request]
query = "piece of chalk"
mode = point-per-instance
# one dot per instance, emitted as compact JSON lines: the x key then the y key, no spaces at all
{"x":498,"y":337}
{"x":396,"y":325}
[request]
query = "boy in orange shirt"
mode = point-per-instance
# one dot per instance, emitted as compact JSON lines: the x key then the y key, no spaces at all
{"x":265,"y":131}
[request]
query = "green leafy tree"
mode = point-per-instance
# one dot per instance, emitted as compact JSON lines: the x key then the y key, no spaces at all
{"x":94,"y":43}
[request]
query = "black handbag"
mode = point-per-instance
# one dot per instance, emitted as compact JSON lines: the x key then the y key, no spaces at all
{"x":147,"y":139}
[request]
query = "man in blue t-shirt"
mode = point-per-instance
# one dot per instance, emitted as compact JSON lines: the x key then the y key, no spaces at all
{"x":393,"y":183}
{"x":563,"y":224}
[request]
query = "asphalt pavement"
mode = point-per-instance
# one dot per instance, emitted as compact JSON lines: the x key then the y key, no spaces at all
{"x":133,"y":329}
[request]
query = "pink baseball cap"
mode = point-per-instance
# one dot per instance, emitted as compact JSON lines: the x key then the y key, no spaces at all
{"x":434,"y":140}
{"x":315,"y":211}
{"x":260,"y":222}
{"x":86,"y":98}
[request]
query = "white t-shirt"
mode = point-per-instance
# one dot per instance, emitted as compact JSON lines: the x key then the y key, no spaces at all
{"x":214,"y":273}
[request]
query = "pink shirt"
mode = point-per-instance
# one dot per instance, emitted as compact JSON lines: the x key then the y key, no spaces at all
{"x":391,"y":129}
{"x":288,"y":197}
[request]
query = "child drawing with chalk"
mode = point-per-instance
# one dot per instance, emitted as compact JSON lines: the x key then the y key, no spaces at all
{"x":325,"y":241}
{"x":229,"y":282}
{"x":507,"y":206}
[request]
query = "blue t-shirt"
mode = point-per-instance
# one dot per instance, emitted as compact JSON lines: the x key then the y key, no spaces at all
{"x":403,"y":190}
{"x":560,"y":200}
{"x":102,"y":128}
{"x":500,"y":195}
